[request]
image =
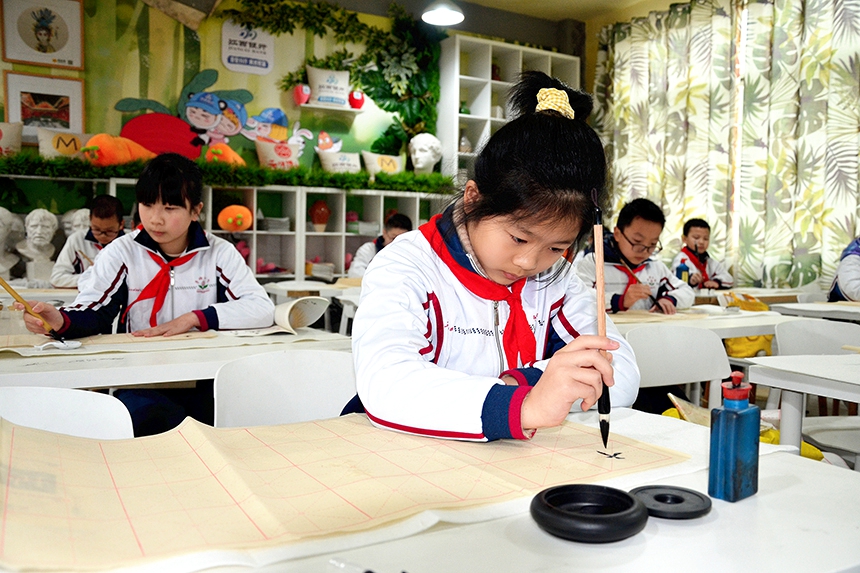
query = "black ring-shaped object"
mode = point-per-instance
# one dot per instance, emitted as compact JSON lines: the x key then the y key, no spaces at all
{"x":588,"y":513}
{"x":671,"y":502}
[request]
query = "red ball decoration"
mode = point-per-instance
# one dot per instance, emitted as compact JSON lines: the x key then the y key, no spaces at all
{"x":301,"y":94}
{"x":356,"y":99}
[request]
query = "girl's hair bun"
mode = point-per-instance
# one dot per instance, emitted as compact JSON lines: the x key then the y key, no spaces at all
{"x":523,"y":96}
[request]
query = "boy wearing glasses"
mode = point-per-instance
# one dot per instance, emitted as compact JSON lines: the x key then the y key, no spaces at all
{"x":705,"y":271}
{"x":633,"y":279}
{"x":82,"y":247}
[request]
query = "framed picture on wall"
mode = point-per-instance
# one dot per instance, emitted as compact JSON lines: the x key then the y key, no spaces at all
{"x":44,"y":32}
{"x":44,"y":101}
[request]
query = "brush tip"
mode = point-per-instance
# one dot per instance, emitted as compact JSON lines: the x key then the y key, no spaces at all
{"x":604,"y":431}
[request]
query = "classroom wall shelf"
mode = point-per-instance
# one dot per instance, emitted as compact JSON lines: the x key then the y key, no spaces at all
{"x":477,"y":73}
{"x":289,"y":248}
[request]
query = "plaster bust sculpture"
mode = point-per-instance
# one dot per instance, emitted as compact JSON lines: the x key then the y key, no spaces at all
{"x":81,"y":220}
{"x":40,"y":226}
{"x":7,"y":259}
{"x":76,"y":220}
{"x":425,"y":149}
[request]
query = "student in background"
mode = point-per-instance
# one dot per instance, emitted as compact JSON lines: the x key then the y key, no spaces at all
{"x":846,"y":283}
{"x":704,"y":271}
{"x":166,"y":279}
{"x":81,"y":247}
{"x":476,"y":327}
{"x":633,"y":279}
{"x":396,"y":225}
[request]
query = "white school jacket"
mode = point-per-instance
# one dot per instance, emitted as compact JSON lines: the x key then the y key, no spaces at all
{"x":362,"y":258}
{"x":714,"y":269}
{"x":76,"y":256}
{"x":216,"y":281}
{"x":617,"y":279}
{"x":428,"y":352}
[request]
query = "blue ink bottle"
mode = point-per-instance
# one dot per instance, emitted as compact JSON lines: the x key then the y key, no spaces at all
{"x":733,"y":470}
{"x":683,"y":271}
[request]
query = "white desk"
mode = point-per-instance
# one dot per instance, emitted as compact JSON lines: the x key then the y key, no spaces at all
{"x":835,"y":376}
{"x":133,"y":368}
{"x":803,"y":518}
{"x":727,"y":325}
{"x":831,"y":310}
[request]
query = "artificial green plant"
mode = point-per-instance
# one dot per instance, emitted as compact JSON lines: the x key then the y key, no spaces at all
{"x":399,"y":69}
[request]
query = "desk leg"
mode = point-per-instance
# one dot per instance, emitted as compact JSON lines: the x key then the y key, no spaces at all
{"x":791,"y":418}
{"x":715,"y":394}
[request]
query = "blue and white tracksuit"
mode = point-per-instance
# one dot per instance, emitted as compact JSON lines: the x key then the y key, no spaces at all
{"x":216,"y":282}
{"x":428,"y":352}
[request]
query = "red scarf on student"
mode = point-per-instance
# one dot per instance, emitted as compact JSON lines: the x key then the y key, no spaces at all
{"x":702,"y":267}
{"x":518,"y":340}
{"x":159,"y":285}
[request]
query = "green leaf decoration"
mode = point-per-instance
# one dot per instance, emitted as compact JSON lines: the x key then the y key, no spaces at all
{"x":220,"y":175}
{"x":131,"y":104}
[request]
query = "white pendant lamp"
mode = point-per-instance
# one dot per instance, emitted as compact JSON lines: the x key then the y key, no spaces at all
{"x":443,"y":13}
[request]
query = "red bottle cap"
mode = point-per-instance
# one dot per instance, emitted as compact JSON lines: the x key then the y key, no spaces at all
{"x":736,"y":389}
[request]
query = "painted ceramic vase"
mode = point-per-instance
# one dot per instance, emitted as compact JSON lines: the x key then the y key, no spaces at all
{"x":319,"y":213}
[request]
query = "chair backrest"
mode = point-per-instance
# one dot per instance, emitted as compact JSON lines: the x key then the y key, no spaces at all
{"x":66,"y":411}
{"x":283,"y":387}
{"x":673,"y":354}
{"x":812,"y":297}
{"x":815,"y":336}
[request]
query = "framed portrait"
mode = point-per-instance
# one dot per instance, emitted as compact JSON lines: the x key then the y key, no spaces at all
{"x":44,"y":101}
{"x":44,"y":32}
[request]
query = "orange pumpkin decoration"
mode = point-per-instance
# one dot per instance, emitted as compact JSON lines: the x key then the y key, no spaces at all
{"x":235,"y":218}
{"x":225,"y":154}
{"x":103,"y":149}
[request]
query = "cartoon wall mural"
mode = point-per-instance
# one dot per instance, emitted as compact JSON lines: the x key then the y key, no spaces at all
{"x":191,"y":126}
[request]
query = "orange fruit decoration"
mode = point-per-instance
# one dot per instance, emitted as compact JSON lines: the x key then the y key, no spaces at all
{"x":235,"y":218}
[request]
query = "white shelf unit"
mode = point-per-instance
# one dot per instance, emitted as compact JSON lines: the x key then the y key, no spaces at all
{"x":466,"y":70}
{"x":290,"y":249}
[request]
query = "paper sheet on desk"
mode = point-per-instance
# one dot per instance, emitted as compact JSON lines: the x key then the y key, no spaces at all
{"x":23,"y":344}
{"x":283,"y":491}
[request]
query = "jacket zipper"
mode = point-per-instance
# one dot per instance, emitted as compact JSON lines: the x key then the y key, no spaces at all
{"x":172,"y":283}
{"x":496,"y":334}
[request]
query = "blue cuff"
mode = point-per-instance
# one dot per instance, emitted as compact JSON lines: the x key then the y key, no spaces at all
{"x":500,"y":416}
{"x":615,"y":303}
{"x":211,"y":316}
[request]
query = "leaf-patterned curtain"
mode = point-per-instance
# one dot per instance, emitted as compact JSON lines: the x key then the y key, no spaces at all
{"x":664,"y":93}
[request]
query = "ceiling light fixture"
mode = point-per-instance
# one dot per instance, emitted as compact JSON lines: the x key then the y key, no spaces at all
{"x":443,"y":13}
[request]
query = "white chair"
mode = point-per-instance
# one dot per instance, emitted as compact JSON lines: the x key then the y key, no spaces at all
{"x":349,"y":302}
{"x":837,"y":434}
{"x":812,"y":297}
{"x":815,"y":336}
{"x":283,"y":387}
{"x":670,"y":354}
{"x":78,"y":413}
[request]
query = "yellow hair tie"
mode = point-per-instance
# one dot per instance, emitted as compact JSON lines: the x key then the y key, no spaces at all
{"x":551,"y":98}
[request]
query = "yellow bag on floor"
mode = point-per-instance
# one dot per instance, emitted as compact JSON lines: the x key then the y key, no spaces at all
{"x":747,"y":346}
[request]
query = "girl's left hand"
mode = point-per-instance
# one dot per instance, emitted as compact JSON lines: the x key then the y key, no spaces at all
{"x":664,"y":305}
{"x":178,"y":325}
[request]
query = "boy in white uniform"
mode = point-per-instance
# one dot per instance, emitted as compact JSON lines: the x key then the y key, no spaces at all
{"x":396,"y":225}
{"x":633,"y":279}
{"x":704,"y":270}
{"x":81,"y":247}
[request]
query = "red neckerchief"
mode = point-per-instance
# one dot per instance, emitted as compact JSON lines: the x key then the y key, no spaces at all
{"x":518,"y":340}
{"x":159,"y":285}
{"x":700,"y":266}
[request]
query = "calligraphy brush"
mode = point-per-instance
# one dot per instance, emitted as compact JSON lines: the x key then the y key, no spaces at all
{"x":30,"y":310}
{"x":603,"y":404}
